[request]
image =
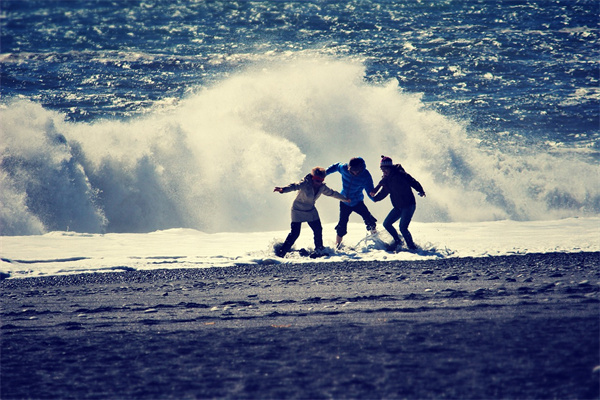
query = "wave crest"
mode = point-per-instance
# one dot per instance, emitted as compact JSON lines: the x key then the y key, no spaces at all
{"x":211,"y":161}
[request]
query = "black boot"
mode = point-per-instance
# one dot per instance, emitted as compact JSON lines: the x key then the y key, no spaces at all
{"x":394,"y":247}
{"x":282,"y":249}
{"x":281,"y":252}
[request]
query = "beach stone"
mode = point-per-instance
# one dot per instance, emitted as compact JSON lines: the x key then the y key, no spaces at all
{"x":481,"y":293}
{"x":421,"y":330}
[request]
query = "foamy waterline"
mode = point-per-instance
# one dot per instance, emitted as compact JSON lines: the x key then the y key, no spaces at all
{"x":58,"y":253}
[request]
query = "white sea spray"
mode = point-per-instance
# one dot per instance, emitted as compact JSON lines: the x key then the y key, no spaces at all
{"x":210,"y":161}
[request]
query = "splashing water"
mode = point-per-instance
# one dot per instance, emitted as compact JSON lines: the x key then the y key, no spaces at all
{"x":210,"y":161}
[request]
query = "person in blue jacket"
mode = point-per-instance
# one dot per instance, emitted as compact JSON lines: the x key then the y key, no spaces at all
{"x":355,"y":179}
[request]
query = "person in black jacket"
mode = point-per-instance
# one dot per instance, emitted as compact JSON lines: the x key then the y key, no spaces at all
{"x":398,"y":184}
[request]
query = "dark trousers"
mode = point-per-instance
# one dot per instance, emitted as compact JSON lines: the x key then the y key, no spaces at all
{"x":345,"y":211}
{"x":405,"y":215}
{"x":295,"y":233}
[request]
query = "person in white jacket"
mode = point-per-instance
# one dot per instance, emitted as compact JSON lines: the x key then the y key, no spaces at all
{"x":304,"y":210}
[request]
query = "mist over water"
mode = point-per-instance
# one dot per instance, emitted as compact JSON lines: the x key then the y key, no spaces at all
{"x":211,"y":160}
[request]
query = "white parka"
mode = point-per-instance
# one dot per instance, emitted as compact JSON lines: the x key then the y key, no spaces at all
{"x":303,"y":208}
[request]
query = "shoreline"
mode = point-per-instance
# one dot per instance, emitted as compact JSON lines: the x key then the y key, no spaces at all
{"x":496,"y":327}
{"x":288,"y":266}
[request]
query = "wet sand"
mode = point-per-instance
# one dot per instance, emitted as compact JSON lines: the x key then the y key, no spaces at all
{"x":524,"y":327}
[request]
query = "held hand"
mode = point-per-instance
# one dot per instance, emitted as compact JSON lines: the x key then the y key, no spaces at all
{"x":278,"y":189}
{"x":347,"y":201}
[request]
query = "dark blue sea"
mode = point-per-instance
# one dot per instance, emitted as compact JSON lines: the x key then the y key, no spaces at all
{"x":136,"y":116}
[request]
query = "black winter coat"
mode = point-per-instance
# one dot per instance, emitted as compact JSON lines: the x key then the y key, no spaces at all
{"x":399,"y":185}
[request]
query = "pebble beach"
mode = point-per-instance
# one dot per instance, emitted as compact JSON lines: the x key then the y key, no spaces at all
{"x":523,"y":326}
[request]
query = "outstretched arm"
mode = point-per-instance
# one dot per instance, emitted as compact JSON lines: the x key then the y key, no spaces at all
{"x":327,"y":191}
{"x":369,"y":186}
{"x":288,"y":188}
{"x":417,"y":186}
{"x":382,"y":193}
{"x":375,"y":190}
{"x":333,"y":168}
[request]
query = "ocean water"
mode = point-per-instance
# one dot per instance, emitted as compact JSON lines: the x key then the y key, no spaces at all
{"x":137,"y":116}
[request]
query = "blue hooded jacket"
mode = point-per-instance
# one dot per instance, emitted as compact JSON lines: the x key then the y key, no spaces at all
{"x":353,"y":186}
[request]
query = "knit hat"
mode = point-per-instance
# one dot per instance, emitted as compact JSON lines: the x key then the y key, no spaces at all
{"x":386,"y":162}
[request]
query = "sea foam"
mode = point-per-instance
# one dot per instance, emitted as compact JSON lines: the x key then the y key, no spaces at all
{"x":210,"y":161}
